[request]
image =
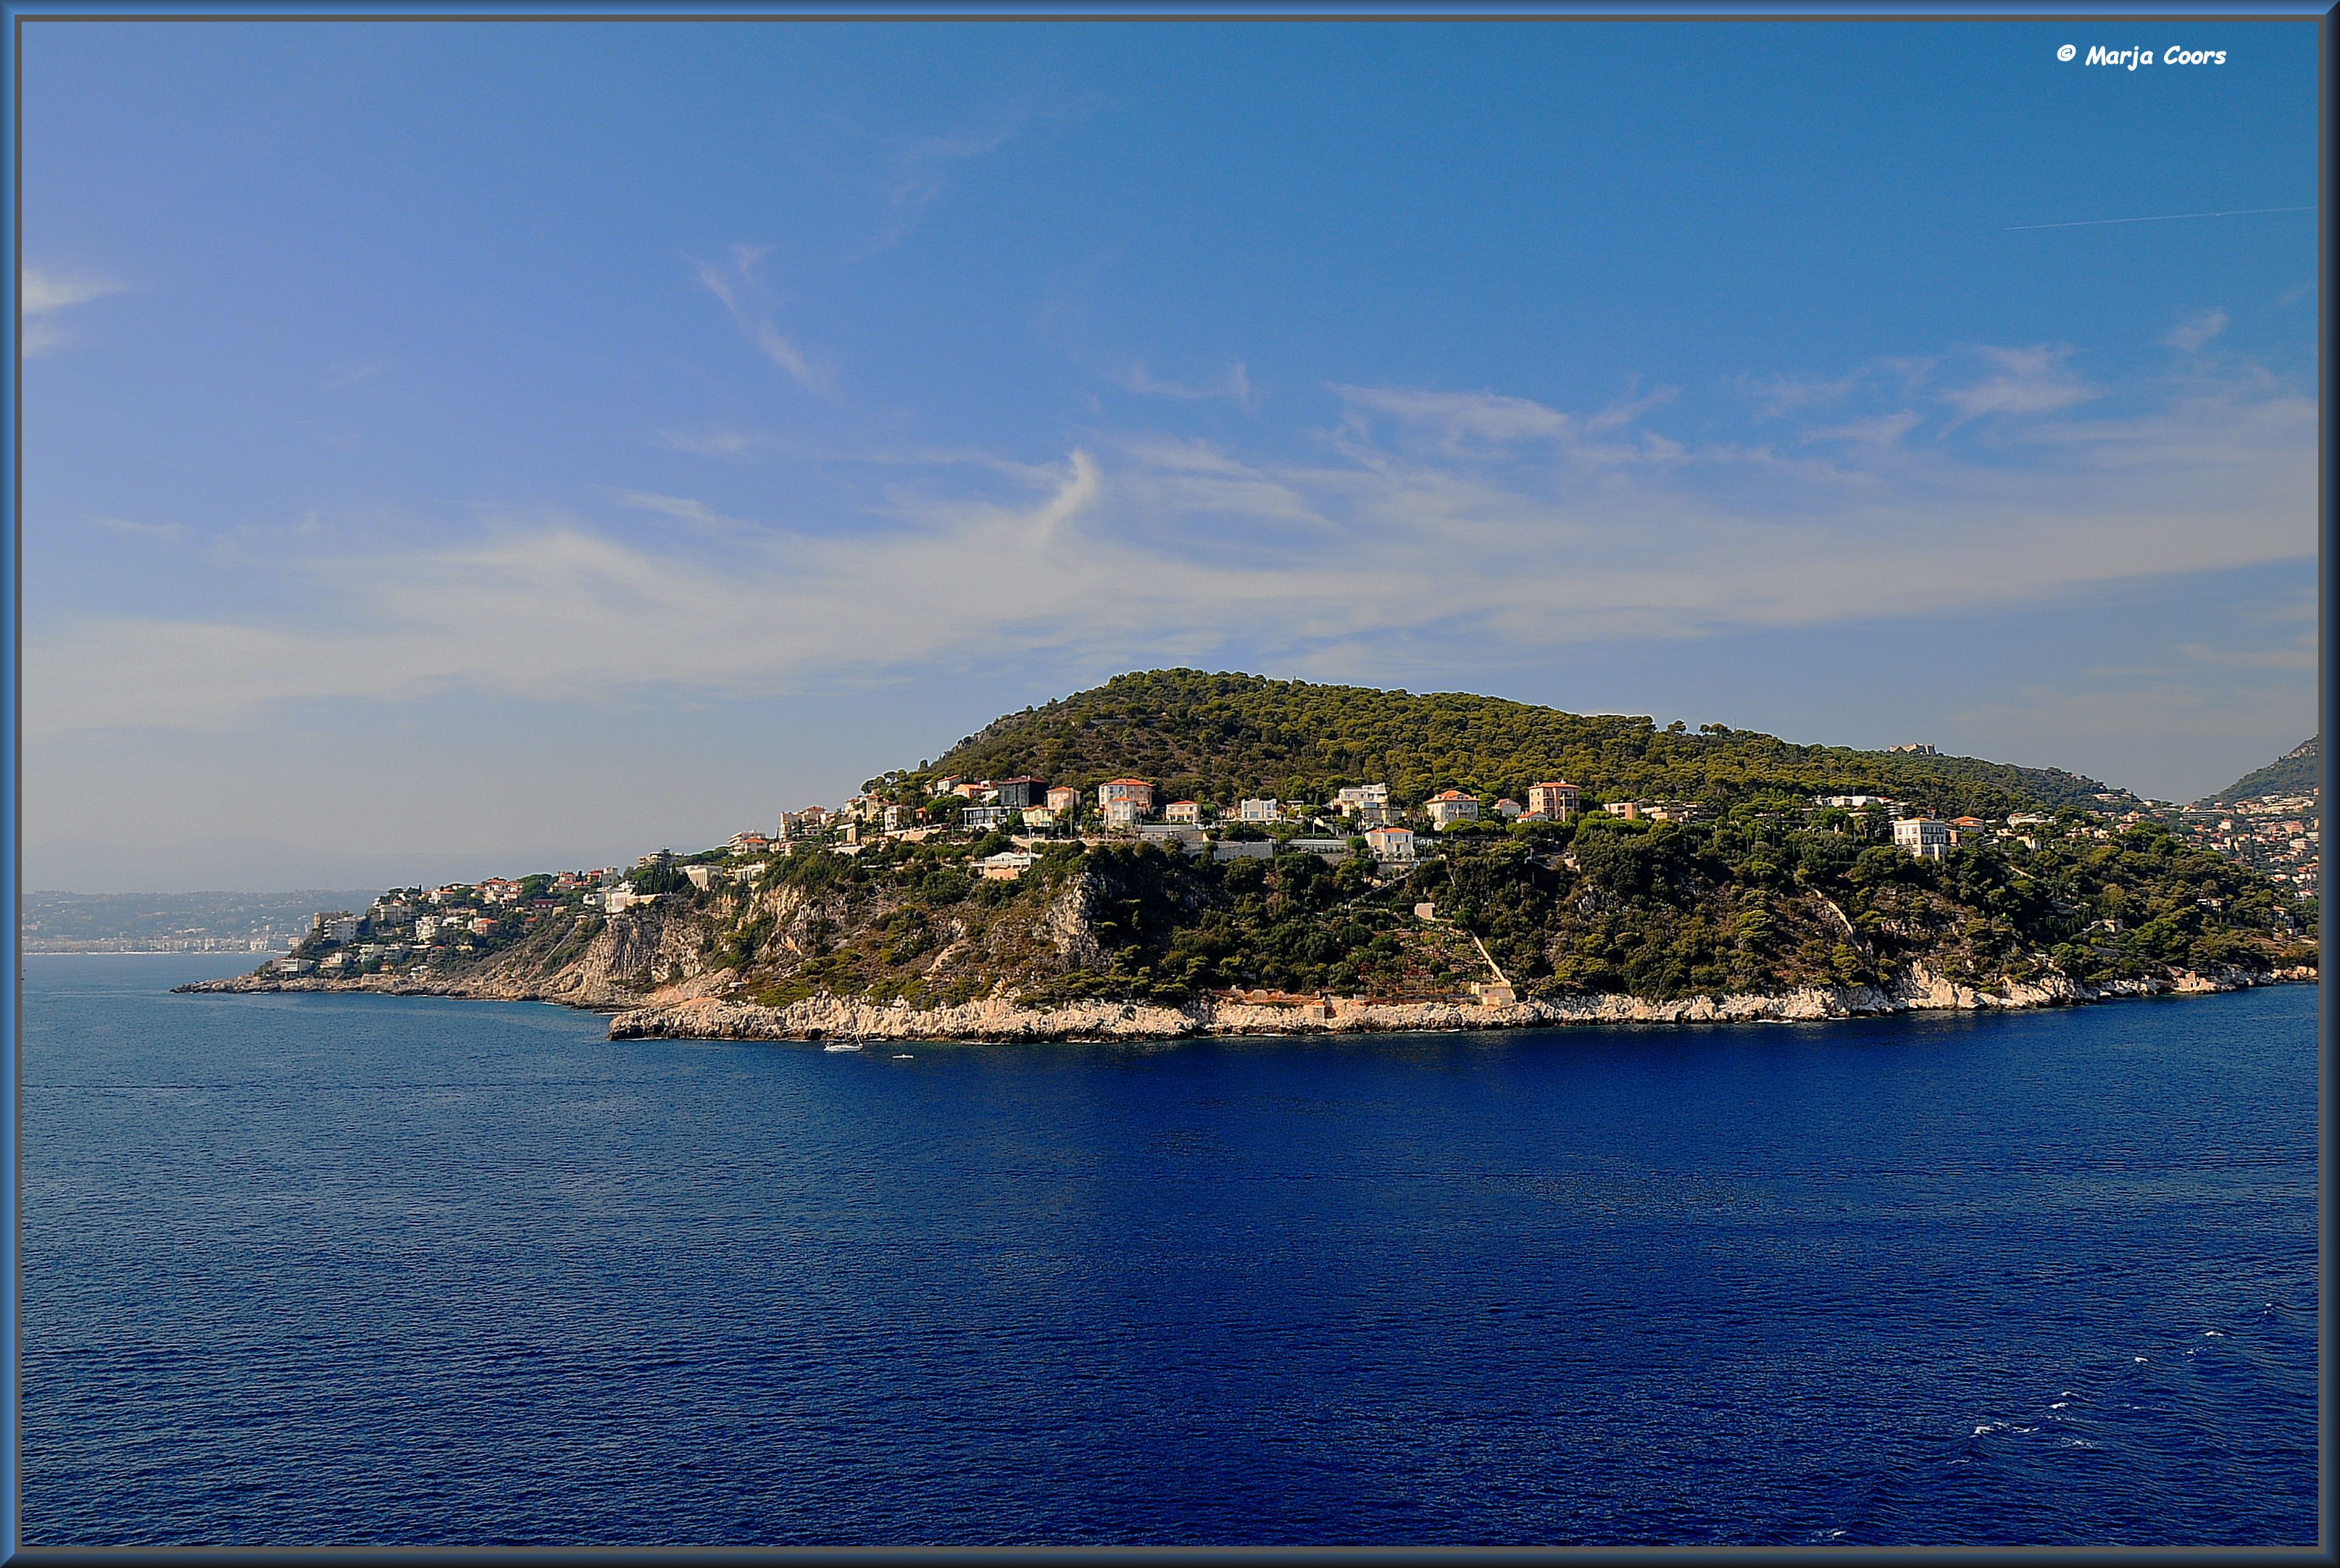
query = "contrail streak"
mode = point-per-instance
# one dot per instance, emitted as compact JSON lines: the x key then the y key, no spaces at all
{"x":2157,"y":218}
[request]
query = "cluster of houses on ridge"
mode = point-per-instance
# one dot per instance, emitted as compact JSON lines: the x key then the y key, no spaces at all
{"x":1126,"y":806}
{"x":2280,"y":835}
{"x":416,"y":926}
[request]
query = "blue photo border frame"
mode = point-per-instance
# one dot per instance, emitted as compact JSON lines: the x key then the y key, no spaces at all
{"x":19,"y":13}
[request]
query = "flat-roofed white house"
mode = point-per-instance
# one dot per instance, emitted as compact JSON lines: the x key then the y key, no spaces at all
{"x":1354,"y":796}
{"x":1923,"y":836}
{"x":1449,"y":807}
{"x":1256,"y":810}
{"x":1007,"y":865}
{"x":983,"y":818}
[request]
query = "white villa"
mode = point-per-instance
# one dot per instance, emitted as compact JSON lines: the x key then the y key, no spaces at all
{"x":1449,"y":807}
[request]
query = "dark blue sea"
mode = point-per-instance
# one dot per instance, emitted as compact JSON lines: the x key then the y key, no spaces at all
{"x":339,"y":1269}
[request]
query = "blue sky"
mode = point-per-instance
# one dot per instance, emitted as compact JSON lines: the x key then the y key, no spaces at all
{"x":451,"y":446}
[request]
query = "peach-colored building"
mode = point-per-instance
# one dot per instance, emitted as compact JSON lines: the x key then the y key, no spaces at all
{"x":1135,"y":791}
{"x":1556,"y":799}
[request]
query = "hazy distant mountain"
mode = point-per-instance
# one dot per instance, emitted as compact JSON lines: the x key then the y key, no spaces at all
{"x":2298,"y":771}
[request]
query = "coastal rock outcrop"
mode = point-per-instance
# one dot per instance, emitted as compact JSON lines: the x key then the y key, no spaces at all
{"x":1001,"y":1018}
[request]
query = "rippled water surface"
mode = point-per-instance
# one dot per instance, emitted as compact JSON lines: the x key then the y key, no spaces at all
{"x":307,"y":1269}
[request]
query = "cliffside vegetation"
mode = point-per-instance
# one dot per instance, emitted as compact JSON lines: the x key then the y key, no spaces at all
{"x":1758,"y":901}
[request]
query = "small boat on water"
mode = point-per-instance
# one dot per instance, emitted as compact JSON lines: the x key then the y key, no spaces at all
{"x":842,"y":1045}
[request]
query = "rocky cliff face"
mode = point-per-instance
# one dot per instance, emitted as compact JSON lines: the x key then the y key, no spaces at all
{"x":644,"y":957}
{"x":999,"y":1017}
{"x":664,"y":970}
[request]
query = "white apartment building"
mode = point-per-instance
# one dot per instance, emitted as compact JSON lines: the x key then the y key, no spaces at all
{"x":1923,"y":836}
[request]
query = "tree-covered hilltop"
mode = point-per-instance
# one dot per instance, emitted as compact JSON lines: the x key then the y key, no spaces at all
{"x":1220,"y":736}
{"x":2298,"y":771}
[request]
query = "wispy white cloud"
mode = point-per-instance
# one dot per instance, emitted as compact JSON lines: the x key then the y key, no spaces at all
{"x":1455,"y":421}
{"x":1626,"y":409}
{"x":348,"y":374}
{"x":2194,"y":334}
{"x":1434,"y":525}
{"x":2018,"y":380}
{"x":737,"y":287}
{"x":921,"y":168}
{"x":1879,"y":431}
{"x":720,"y":443}
{"x":1233,"y":383}
{"x":2300,"y":657}
{"x":681,"y":509}
{"x":42,"y":295}
{"x":1782,"y":397}
{"x":140,"y":530}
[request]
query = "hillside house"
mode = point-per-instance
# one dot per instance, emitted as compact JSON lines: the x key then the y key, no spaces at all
{"x":1134,"y":792}
{"x":1063,"y":800}
{"x":1449,"y":807}
{"x":1556,"y":800}
{"x":1015,"y":794}
{"x":1923,"y":836}
{"x":1256,"y":810}
{"x":1186,"y":812}
{"x":1391,"y":843}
